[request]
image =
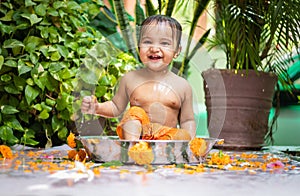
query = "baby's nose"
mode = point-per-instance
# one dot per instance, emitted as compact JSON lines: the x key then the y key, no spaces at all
{"x":154,"y":48}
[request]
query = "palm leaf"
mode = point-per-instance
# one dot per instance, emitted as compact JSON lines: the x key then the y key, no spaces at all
{"x":150,"y":9}
{"x":170,"y":7}
{"x":199,"y":9}
{"x":139,"y":13}
{"x":125,"y":27}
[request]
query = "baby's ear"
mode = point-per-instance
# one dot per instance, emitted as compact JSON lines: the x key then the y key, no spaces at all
{"x":177,"y":52}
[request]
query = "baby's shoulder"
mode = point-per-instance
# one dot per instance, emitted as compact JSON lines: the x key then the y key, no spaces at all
{"x":132,"y":78}
{"x":129,"y":75}
{"x":176,"y":79}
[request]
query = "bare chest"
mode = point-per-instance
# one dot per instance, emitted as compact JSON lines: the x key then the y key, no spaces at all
{"x":149,"y":93}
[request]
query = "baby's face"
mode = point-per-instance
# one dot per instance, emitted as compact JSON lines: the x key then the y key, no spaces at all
{"x":157,"y":46}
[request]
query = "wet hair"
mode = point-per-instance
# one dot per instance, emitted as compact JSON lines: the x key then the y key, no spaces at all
{"x":159,"y":19}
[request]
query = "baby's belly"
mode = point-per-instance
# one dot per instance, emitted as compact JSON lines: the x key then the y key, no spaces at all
{"x":159,"y":100}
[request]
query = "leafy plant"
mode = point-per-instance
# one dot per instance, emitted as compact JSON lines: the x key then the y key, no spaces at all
{"x":257,"y":34}
{"x":42,"y":47}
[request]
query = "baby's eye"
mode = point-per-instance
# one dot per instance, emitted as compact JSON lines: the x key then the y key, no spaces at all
{"x":146,"y":42}
{"x":165,"y":43}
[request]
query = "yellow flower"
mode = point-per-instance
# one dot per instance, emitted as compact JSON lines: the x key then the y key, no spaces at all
{"x":141,"y":153}
{"x":6,"y":152}
{"x":71,"y":140}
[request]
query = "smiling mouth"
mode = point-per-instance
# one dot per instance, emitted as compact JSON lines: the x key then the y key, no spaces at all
{"x":154,"y":57}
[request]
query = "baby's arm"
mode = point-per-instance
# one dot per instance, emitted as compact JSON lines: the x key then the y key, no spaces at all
{"x":187,"y":119}
{"x":110,"y":109}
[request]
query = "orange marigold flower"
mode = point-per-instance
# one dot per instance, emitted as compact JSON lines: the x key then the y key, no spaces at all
{"x":6,"y":152}
{"x":198,"y":146}
{"x":81,"y":155}
{"x":72,"y":154}
{"x":71,"y":140}
{"x":141,"y":153}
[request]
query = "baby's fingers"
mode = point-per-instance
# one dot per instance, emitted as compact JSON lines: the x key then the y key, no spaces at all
{"x":88,"y":104}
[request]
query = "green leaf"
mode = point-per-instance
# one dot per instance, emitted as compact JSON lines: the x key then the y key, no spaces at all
{"x":105,"y":80}
{"x":6,"y":135}
{"x":11,"y":43}
{"x":40,"y":9}
{"x":72,"y":45}
{"x":89,"y":76}
{"x":24,"y":116}
{"x":34,"y":57}
{"x":27,"y":138}
{"x":58,"y":4}
{"x":73,"y":5}
{"x":66,"y":74}
{"x":33,"y":18}
{"x":63,"y":101}
{"x":22,"y":69}
{"x":8,"y":109}
{"x":56,"y":123}
{"x":62,"y":133}
{"x":50,"y":102}
{"x":63,"y":51}
{"x":41,"y":80}
{"x":12,"y":122}
{"x":29,"y":3}
{"x":30,"y":94}
{"x":17,"y":50}
{"x":69,"y":85}
{"x":30,"y":81}
{"x":100,"y":91}
{"x":22,"y":26}
{"x":5,"y":78}
{"x":1,"y":61}
{"x":75,"y":22}
{"x":38,"y":107}
{"x":32,"y":43}
{"x":50,"y":82}
{"x":112,"y":163}
{"x":44,"y":115}
{"x":139,"y":13}
{"x":12,"y":89}
{"x":150,"y":9}
{"x":55,"y":67}
{"x":46,"y":107}
{"x":55,"y":56}
{"x":11,"y":63}
{"x":52,"y":12}
{"x":8,"y":16}
{"x":13,"y":101}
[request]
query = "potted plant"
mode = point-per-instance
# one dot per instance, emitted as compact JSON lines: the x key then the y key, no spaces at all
{"x":255,"y":36}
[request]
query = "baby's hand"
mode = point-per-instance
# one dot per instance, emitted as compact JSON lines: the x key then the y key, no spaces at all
{"x":89,"y":104}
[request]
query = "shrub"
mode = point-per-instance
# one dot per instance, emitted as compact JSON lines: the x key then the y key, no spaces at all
{"x":42,"y":47}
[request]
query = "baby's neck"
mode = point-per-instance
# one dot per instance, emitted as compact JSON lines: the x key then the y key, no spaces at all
{"x":157,"y":74}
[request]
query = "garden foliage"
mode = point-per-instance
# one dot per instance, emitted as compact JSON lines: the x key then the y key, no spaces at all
{"x":47,"y":57}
